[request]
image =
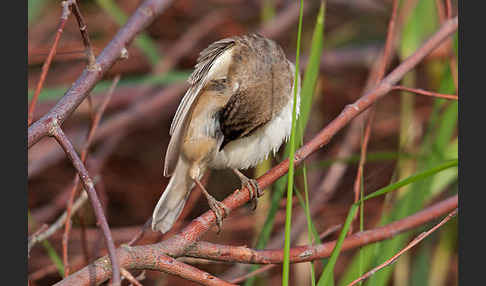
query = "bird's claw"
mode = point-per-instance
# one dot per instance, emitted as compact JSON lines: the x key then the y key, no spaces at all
{"x":220,"y":211}
{"x":254,"y":189}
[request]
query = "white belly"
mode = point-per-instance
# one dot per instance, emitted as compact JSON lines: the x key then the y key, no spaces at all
{"x":249,"y":151}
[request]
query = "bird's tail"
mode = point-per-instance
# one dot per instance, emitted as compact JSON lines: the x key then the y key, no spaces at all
{"x":173,"y":199}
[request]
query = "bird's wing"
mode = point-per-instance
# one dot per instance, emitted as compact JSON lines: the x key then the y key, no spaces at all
{"x":203,"y":72}
{"x":260,"y":85}
{"x":241,"y":115}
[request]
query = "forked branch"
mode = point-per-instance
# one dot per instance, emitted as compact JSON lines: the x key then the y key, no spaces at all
{"x":179,"y":244}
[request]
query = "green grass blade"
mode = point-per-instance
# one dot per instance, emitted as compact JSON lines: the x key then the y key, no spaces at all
{"x":443,"y":253}
{"x":310,"y":223}
{"x":307,"y":85}
{"x":420,"y":265}
{"x":51,"y":252}
{"x":412,"y":179}
{"x":327,"y":275}
{"x":143,"y":41}
{"x":418,"y":27}
{"x":419,"y":193}
{"x":324,"y":280}
{"x":290,"y":184}
{"x":378,"y":156}
{"x":361,"y":223}
{"x":312,"y":69}
{"x":311,"y":231}
{"x":422,"y":22}
{"x":446,"y":178}
{"x":308,"y":90}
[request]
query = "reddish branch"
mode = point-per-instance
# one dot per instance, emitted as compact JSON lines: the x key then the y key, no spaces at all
{"x":270,"y":266}
{"x":84,"y":34}
{"x":446,"y":13}
{"x":149,"y":256}
{"x":97,"y":162}
{"x":408,"y":247}
{"x":241,"y":254}
{"x":66,"y":5}
{"x":425,"y":92}
{"x":84,"y":153}
{"x":153,"y":105}
{"x":178,"y":243}
{"x":141,"y":18}
{"x":130,"y":277}
{"x":56,"y":131}
{"x":383,"y":64}
{"x":47,"y":63}
{"x":324,"y":191}
{"x":136,"y":115}
{"x":44,"y":233}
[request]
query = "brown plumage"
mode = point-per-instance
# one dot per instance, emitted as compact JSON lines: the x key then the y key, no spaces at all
{"x":236,"y":111}
{"x":261,"y":91}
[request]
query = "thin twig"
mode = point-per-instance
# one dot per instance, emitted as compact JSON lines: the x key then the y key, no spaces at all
{"x":440,"y":10}
{"x":56,"y":131}
{"x":98,"y":160}
{"x":253,"y":273}
{"x":140,"y":233}
{"x":143,"y":16}
{"x":84,"y":153}
{"x":265,"y":268}
{"x":130,"y":277}
{"x":383,"y":64}
{"x":56,"y":225}
{"x":414,"y":242}
{"x":178,"y":244}
{"x":47,"y":63}
{"x":84,"y":34}
{"x":205,"y":221}
{"x":425,"y":92}
{"x":153,"y":104}
{"x":326,"y":189}
{"x":452,"y":57}
{"x":448,"y":9}
{"x":150,"y":257}
{"x":240,"y":254}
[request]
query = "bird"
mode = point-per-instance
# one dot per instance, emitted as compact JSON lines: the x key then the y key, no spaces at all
{"x":235,"y":112}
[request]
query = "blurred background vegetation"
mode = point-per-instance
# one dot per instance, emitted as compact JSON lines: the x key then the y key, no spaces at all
{"x":340,"y":42}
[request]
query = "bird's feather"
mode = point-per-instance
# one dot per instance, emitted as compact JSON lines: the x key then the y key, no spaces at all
{"x":258,"y":92}
{"x":206,"y":69}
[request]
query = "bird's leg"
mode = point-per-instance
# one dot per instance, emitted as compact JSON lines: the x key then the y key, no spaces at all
{"x":219,"y":209}
{"x":251,"y":185}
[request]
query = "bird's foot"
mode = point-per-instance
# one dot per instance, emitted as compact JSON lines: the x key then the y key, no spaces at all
{"x":220,"y":211}
{"x":254,"y":189}
{"x":252,"y":186}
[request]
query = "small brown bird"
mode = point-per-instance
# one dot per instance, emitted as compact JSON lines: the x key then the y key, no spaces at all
{"x":237,"y":110}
